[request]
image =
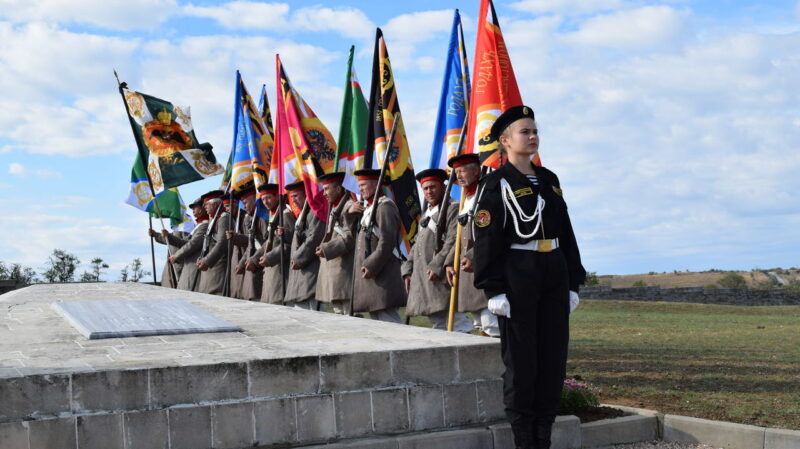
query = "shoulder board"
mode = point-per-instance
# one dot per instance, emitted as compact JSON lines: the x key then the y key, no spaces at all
{"x":558,"y":191}
{"x":523,"y":192}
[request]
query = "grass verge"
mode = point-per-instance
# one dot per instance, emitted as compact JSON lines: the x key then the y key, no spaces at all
{"x":729,"y":363}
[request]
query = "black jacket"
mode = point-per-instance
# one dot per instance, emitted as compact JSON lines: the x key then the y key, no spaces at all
{"x":494,"y":228}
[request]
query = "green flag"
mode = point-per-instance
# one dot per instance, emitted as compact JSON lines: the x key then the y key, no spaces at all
{"x":167,"y":143}
{"x":170,"y":202}
{"x":352,"y":128}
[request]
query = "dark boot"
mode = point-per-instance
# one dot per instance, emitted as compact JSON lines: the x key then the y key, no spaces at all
{"x":523,"y":438}
{"x":542,"y":429}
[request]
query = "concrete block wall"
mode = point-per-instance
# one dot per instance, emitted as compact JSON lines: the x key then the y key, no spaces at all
{"x":288,"y":402}
{"x":723,"y":296}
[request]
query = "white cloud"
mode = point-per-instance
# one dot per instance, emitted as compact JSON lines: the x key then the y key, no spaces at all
{"x":642,"y":27}
{"x":243,"y":14}
{"x":18,"y":169}
{"x":667,"y":156}
{"x":109,"y":14}
{"x":418,"y":27}
{"x":572,"y":7}
{"x":349,"y":22}
{"x":41,"y":60}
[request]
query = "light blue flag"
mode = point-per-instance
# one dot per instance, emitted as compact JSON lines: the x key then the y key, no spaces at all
{"x":454,"y":102}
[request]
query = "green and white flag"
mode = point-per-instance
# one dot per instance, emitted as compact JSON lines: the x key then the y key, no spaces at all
{"x":352,"y":129}
{"x":167,"y":143}
{"x":170,"y":202}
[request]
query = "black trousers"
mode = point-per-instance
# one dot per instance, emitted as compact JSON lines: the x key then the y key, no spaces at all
{"x":534,"y":340}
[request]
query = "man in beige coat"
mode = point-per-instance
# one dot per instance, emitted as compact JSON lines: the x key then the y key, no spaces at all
{"x":189,"y":248}
{"x":470,"y":299}
{"x":238,"y":242}
{"x":304,"y":263}
{"x":424,"y":271}
{"x":275,"y":275}
{"x":335,"y":281}
{"x":212,"y":263}
{"x":171,"y":239}
{"x":378,"y":287}
{"x":250,"y":237}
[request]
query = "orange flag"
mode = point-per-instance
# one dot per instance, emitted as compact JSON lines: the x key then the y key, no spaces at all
{"x":494,"y":87}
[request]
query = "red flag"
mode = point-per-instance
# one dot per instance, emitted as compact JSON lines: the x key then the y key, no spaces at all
{"x":310,"y":141}
{"x":494,"y":87}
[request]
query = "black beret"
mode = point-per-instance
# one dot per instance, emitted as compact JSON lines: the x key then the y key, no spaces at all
{"x":214,"y":194}
{"x":244,"y":190}
{"x":196,"y":203}
{"x":464,"y":159}
{"x":268,"y":188}
{"x":510,"y":116}
{"x":294,"y":186}
{"x":370,"y":173}
{"x":436,"y":173}
{"x":328,"y":178}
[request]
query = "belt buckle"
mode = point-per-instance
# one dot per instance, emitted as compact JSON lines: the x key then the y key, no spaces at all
{"x":544,"y":246}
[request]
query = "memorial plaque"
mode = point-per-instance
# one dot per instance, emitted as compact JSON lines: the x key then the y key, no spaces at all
{"x":137,"y":318}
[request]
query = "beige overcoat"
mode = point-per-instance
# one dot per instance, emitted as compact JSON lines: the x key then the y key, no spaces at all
{"x":238,"y":246}
{"x":425,"y":296}
{"x":335,"y":281}
{"x":386,"y":290}
{"x":187,"y":254}
{"x":272,"y":285}
{"x":176,"y":239}
{"x":252,"y":280}
{"x":470,"y":299}
{"x":308,"y":233}
{"x":212,"y":280}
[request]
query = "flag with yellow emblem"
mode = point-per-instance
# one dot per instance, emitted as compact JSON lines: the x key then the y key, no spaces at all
{"x":383,"y":105}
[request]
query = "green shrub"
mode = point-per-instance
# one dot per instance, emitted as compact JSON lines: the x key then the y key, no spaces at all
{"x":711,"y":286}
{"x":577,"y":397}
{"x":732,"y":280}
{"x":640,"y":284}
{"x":591,"y":279}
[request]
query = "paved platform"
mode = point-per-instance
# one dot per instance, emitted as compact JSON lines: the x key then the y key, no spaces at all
{"x":292,"y":378}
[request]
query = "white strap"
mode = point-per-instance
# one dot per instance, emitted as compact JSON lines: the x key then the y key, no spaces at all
{"x":510,"y":201}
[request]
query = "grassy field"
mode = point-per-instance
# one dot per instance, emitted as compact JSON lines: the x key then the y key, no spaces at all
{"x":690,"y":279}
{"x":730,"y":363}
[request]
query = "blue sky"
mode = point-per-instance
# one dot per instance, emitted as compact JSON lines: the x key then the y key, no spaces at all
{"x":673,"y":125}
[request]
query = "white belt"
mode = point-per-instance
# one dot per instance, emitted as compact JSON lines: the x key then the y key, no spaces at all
{"x":542,"y":246}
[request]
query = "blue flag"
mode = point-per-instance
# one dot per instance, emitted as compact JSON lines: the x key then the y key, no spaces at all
{"x":454,"y":102}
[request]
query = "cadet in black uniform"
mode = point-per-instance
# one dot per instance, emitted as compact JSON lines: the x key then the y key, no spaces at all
{"x":527,"y":261}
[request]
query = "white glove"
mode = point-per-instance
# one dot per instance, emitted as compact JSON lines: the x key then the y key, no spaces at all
{"x":573,"y":301}
{"x":500,"y":306}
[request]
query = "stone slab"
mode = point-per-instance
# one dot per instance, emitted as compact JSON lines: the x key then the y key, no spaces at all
{"x":714,"y":433}
{"x":627,"y":429}
{"x":125,"y":318}
{"x":456,"y":439}
{"x":42,"y":342}
{"x":782,"y":439}
{"x":566,"y":434}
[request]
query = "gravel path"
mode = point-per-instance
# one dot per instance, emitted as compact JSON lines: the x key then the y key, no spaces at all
{"x":659,"y":445}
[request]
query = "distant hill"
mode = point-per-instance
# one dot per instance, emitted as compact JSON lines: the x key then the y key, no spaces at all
{"x":754,"y":278}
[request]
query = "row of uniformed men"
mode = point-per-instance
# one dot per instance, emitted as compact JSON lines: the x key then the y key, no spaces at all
{"x":319,"y":258}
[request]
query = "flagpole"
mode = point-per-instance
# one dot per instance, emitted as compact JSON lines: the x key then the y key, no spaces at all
{"x":281,"y":206}
{"x":451,"y":313}
{"x":121,"y":86}
{"x":152,"y":250}
{"x":226,"y":286}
